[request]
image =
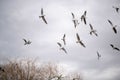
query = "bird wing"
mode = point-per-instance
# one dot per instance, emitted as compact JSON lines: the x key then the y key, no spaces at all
{"x":84,"y":20}
{"x":112,"y":45}
{"x":114,"y":29}
{"x":64,"y":50}
{"x":91,"y":27}
{"x":117,"y":49}
{"x":25,"y":40}
{"x":85,"y":13}
{"x":59,"y":44}
{"x":117,"y":10}
{"x":98,"y":54}
{"x":64,"y":41}
{"x":110,"y":22}
{"x":95,"y":33}
{"x":74,"y":21}
{"x":82,"y":44}
{"x":64,"y":36}
{"x":44,"y":19}
{"x":78,"y":38}
{"x":73,"y":15}
{"x":41,"y":11}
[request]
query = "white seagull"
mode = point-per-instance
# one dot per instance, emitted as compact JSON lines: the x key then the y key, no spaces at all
{"x":98,"y":55}
{"x":64,"y":41}
{"x":61,"y":47}
{"x":43,"y":16}
{"x":92,"y":30}
{"x":79,"y":41}
{"x":27,"y":42}
{"x":83,"y":17}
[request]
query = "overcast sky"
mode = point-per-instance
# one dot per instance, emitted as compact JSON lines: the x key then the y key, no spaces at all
{"x":20,"y":19}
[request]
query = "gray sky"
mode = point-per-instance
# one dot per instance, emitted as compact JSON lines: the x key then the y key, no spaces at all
{"x":20,"y":19}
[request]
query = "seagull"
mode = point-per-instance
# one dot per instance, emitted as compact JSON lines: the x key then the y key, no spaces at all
{"x":64,"y":39}
{"x":116,"y":8}
{"x":115,"y":48}
{"x":43,"y":16}
{"x":113,"y":26}
{"x":74,"y":20}
{"x":79,"y":41}
{"x":61,"y":48}
{"x":26,"y":42}
{"x":83,"y":17}
{"x":98,"y":55}
{"x":92,"y":30}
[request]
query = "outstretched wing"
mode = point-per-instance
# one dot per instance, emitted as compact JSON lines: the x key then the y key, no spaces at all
{"x":91,"y":27}
{"x":114,"y":29}
{"x":64,"y":39}
{"x":110,"y":22}
{"x":59,"y":44}
{"x":44,"y":19}
{"x":117,"y":49}
{"x":41,"y":11}
{"x":64,"y":36}
{"x":84,"y":20}
{"x":82,"y":44}
{"x":85,"y":13}
{"x":78,"y":38}
{"x":64,"y":49}
{"x":25,"y":40}
{"x":73,"y":15}
{"x":112,"y":45}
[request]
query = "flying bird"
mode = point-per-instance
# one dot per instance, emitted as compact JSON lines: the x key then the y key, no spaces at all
{"x":115,"y":48}
{"x":83,"y":17}
{"x":61,"y":47}
{"x":79,"y":41}
{"x":64,"y":41}
{"x":92,"y":30}
{"x":75,"y":21}
{"x":98,"y":55}
{"x":116,"y":9}
{"x":26,"y":42}
{"x":43,"y":16}
{"x":113,"y":27}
